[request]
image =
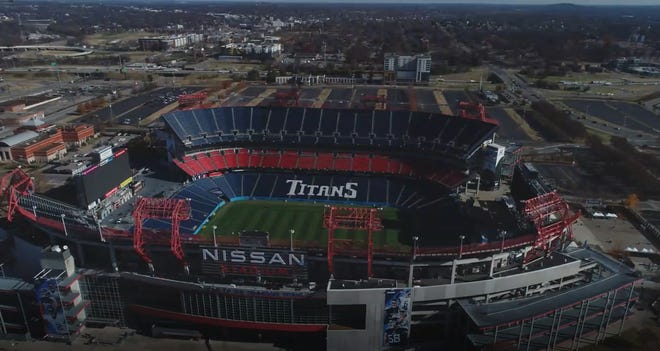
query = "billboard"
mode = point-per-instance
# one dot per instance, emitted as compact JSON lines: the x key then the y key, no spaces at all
{"x":102,"y":180}
{"x":396,"y":320}
{"x":50,"y":304}
{"x":266,"y":263}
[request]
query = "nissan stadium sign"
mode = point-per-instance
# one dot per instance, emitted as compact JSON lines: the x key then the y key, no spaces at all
{"x":298,"y":188}
{"x":253,"y":262}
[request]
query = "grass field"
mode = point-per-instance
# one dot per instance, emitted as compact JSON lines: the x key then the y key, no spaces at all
{"x":277,"y":218}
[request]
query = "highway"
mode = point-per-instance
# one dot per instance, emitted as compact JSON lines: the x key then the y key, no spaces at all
{"x":112,"y":68}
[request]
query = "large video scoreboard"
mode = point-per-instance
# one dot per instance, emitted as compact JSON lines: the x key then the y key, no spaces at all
{"x":103,"y":179}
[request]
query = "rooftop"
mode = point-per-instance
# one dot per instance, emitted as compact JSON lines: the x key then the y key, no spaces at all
{"x":506,"y":312}
{"x":19,"y":138}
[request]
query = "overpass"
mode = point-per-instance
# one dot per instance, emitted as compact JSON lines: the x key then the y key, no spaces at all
{"x":79,"y":51}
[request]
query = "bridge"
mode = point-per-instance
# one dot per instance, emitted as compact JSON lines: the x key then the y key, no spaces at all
{"x":79,"y":51}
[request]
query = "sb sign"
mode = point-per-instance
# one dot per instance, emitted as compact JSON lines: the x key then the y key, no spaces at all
{"x":253,"y":262}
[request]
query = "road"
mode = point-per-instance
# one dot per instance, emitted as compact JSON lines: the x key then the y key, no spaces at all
{"x":516,"y":84}
{"x":107,"y":69}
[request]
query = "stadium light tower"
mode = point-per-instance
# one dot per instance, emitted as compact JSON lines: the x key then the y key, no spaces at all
{"x":98,"y":226}
{"x":502,"y":236}
{"x":415,"y":241}
{"x":460,"y":249}
{"x":64,"y":225}
{"x":291,"y":232}
{"x":215,"y":241}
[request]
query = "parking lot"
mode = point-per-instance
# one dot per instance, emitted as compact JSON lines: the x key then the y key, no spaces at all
{"x":131,"y":110}
{"x":611,"y":235}
{"x":619,"y":114}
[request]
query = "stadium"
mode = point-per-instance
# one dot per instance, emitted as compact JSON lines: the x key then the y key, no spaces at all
{"x":321,"y":228}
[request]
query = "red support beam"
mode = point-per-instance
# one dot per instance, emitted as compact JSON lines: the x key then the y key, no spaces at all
{"x":351,"y":218}
{"x":553,"y":219}
{"x":13,"y":185}
{"x":176,"y":210}
{"x":476,"y":111}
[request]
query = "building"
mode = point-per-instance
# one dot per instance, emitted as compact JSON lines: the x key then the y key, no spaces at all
{"x":30,"y":146}
{"x":170,"y":42}
{"x":401,"y":68}
{"x":49,"y":305}
{"x":264,"y":48}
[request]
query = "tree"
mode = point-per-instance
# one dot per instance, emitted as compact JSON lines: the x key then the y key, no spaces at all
{"x":632,"y":201}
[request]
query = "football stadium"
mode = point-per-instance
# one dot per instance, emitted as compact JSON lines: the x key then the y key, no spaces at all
{"x":326,"y":228}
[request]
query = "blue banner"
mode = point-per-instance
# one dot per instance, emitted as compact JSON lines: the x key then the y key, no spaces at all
{"x":397,"y":313}
{"x":50,"y":304}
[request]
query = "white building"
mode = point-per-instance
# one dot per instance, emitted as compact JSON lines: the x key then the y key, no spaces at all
{"x":407,"y":68}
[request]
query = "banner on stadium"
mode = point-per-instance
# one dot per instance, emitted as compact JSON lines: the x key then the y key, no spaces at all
{"x":397,"y":314}
{"x":253,"y":262}
{"x":50,"y":304}
{"x":126,"y":182}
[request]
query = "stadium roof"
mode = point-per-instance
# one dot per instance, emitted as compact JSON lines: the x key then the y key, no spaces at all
{"x":506,"y":312}
{"x":18,"y":138}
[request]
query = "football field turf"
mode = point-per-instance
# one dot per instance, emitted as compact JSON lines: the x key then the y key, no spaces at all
{"x":278,"y":217}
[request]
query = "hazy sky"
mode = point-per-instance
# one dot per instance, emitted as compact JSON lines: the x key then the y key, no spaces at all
{"x":539,"y":2}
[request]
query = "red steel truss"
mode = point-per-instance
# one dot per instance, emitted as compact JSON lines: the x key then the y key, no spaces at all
{"x":176,"y":210}
{"x":476,"y":111}
{"x":552,"y":218}
{"x":288,"y":98}
{"x":14,"y":184}
{"x":351,"y":218}
{"x":191,"y":100}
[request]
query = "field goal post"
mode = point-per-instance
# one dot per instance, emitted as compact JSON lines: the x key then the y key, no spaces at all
{"x":351,"y":218}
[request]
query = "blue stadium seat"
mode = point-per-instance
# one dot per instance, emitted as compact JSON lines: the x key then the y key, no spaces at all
{"x":294,"y":118}
{"x":398,"y":131}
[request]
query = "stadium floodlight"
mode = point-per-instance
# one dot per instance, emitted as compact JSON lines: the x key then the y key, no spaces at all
{"x":460,"y":249}
{"x":98,"y":226}
{"x":291,"y":232}
{"x":64,"y":225}
{"x":502,"y":235}
{"x":215,"y":242}
{"x":415,"y":240}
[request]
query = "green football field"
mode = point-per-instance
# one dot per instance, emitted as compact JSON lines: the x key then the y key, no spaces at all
{"x":278,"y":217}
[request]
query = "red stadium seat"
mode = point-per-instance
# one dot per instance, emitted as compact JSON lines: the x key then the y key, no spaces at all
{"x":289,"y":160}
{"x":325,"y":160}
{"x":344,"y":162}
{"x":206,"y":163}
{"x":217,"y":158}
{"x":361,"y":163}
{"x":306,"y":160}
{"x":184,"y":167}
{"x":256,"y":159}
{"x":271,"y":159}
{"x":243,"y":158}
{"x":194,"y":165}
{"x":230,"y":158}
{"x":380,"y":164}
